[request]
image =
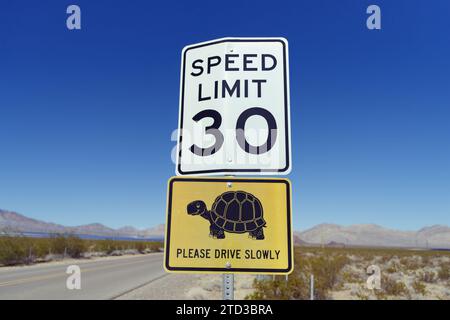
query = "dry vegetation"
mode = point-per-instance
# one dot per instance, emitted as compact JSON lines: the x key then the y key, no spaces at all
{"x":341,"y":273}
{"x":16,"y":250}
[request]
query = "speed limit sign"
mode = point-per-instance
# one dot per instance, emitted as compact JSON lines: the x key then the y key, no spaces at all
{"x":234,"y":107}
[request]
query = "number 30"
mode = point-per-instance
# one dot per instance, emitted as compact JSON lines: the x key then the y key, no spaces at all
{"x":240,"y":128}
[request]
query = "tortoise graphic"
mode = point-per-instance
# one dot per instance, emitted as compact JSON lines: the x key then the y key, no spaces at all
{"x":232,"y":211}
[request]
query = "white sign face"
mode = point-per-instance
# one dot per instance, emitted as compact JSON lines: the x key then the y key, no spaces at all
{"x":234,"y":107}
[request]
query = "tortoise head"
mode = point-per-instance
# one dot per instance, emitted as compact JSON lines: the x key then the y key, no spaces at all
{"x":196,"y":207}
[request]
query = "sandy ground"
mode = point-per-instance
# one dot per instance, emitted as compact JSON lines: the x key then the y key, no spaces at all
{"x":353,"y":285}
{"x":190,"y":287}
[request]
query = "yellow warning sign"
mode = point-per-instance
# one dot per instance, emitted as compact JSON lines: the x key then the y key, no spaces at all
{"x":229,"y":225}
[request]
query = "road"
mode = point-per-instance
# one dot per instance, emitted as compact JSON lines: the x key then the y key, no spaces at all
{"x":100,"y":279}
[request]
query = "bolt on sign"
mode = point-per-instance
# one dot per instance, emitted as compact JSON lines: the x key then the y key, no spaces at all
{"x":234,"y":108}
{"x":226,"y":224}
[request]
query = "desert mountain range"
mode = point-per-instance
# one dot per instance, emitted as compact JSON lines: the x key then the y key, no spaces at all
{"x":15,"y":222}
{"x":436,"y":236}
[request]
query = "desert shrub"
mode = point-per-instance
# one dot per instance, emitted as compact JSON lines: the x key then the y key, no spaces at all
{"x":427,"y":276}
{"x":296,"y":288}
{"x":425,"y":259}
{"x":411,"y":263}
{"x":393,"y":288}
{"x":75,"y":246}
{"x":107,"y":246}
{"x":419,"y":287}
{"x":444,"y":272}
{"x":362,"y":293}
{"x":110,"y":245}
{"x":350,"y":277}
{"x":23,"y":250}
{"x":13,"y":250}
{"x":325,"y":267}
{"x":41,"y":247}
{"x":141,"y":247}
{"x":386,"y":258}
{"x":154,"y":246}
{"x":393,"y":267}
{"x":58,"y":244}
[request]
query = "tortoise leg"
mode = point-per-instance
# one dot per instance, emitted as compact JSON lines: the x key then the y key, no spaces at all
{"x":257,"y":234}
{"x":216,"y":232}
{"x":220,"y":234}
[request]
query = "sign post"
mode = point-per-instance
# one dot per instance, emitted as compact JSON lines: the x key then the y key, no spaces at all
{"x":234,"y":119}
{"x":228,"y":286}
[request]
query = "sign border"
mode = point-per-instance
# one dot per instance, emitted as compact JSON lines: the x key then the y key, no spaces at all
{"x":290,"y":267}
{"x":286,"y":170}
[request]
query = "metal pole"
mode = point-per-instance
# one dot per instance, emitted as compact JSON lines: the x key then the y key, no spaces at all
{"x":312,"y":287}
{"x":228,"y":286}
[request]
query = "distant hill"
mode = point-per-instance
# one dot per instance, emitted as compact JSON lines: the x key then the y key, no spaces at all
{"x":333,"y":235}
{"x":159,"y":230}
{"x":15,"y":222}
{"x":437,"y":236}
{"x":298,"y":241}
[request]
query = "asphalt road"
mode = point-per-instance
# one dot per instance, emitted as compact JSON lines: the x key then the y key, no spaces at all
{"x":100,"y":279}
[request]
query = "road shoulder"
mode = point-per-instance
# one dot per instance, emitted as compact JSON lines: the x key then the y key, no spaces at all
{"x":189,"y":287}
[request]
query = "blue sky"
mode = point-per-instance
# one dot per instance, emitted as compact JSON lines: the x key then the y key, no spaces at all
{"x":86,"y":116}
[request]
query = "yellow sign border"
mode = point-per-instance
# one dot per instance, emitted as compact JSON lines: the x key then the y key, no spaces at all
{"x":290,"y":239}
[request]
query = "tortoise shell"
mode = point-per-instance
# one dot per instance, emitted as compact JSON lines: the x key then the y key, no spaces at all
{"x":238,"y":212}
